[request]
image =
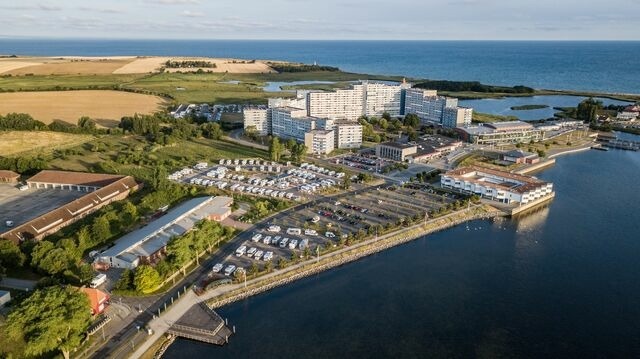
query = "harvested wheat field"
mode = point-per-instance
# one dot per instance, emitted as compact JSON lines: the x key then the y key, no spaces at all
{"x":69,"y":106}
{"x":153,"y":64}
{"x":72,"y":67}
{"x":14,"y":142}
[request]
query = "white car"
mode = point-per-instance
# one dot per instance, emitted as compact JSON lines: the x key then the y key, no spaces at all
{"x":256,"y":237}
{"x":217,"y":268}
{"x":268,"y":256}
{"x":251,"y":251}
{"x":293,"y":244}
{"x":267,"y":240}
{"x":294,"y":231}
{"x":330,"y":235}
{"x":310,"y":232}
{"x":258,"y":255}
{"x":284,"y":242}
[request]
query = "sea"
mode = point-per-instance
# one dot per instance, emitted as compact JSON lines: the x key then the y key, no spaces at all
{"x":563,"y":65}
{"x":561,"y":282}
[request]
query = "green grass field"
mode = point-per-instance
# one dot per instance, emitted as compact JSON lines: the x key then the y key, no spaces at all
{"x":487,"y":118}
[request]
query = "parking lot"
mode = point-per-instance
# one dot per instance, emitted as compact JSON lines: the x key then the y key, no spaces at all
{"x":324,"y":221}
{"x":261,"y":178}
{"x":22,"y":206}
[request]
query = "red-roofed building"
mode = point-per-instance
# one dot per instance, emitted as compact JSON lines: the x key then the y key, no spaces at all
{"x":8,"y":177}
{"x":97,"y":298}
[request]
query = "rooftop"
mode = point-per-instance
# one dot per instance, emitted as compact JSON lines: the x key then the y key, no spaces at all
{"x":510,"y":181}
{"x":8,"y":174}
{"x":398,"y":145}
{"x":74,"y":178}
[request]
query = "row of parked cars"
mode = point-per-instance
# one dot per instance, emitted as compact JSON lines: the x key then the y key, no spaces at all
{"x":284,"y":242}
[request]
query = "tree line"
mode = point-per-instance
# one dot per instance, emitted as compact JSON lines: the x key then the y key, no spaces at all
{"x":280,"y":67}
{"x":470,"y":86}
{"x":189,"y":64}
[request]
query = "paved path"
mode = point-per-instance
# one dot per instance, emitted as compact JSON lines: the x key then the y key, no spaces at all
{"x":15,"y":283}
{"x":235,"y":136}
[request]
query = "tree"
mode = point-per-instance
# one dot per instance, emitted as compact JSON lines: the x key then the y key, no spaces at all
{"x":587,"y":110}
{"x":86,"y":124}
{"x":275,"y":149}
{"x":383,"y":123}
{"x":386,"y":116}
{"x":39,"y":252}
{"x":412,"y":120}
{"x":100,"y":229}
{"x":290,"y":144}
{"x":146,"y":279}
{"x":129,"y":213}
{"x":346,"y":182}
{"x":10,"y":254}
{"x":53,"y":318}
{"x":297,"y":151}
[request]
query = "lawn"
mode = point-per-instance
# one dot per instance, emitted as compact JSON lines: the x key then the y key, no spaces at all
{"x":21,"y":142}
{"x":488,"y":118}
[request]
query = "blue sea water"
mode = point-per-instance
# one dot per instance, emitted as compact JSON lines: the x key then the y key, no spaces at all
{"x":573,"y":65}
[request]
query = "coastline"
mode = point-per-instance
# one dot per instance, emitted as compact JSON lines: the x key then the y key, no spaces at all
{"x":223,"y":296}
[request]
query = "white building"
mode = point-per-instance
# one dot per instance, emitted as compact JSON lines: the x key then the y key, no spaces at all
{"x":289,"y":122}
{"x":319,"y":141}
{"x":457,"y":116}
{"x":427,"y":104}
{"x":258,"y":119}
{"x":501,"y":133}
{"x":496,"y":185}
{"x":348,"y":135}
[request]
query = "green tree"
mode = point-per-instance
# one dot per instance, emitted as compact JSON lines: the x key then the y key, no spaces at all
{"x":86,"y":124}
{"x":10,"y":254}
{"x":383,"y":123}
{"x":587,"y":110}
{"x":129,"y":213}
{"x":53,"y":318}
{"x":125,"y":282}
{"x":39,"y":251}
{"x":298,"y":151}
{"x":100,"y":229}
{"x":146,"y":279}
{"x":290,"y":144}
{"x":386,"y":116}
{"x":346,"y":182}
{"x":412,"y":120}
{"x":275,"y":149}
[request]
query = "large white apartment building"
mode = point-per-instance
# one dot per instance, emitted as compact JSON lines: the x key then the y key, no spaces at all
{"x":290,"y":122}
{"x":348,"y":135}
{"x":427,"y":104}
{"x":457,"y":116}
{"x":319,"y":141}
{"x":258,"y":119}
{"x":496,"y":185}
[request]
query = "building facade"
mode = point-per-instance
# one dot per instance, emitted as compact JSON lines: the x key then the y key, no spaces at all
{"x":501,"y":133}
{"x":319,"y":141}
{"x":289,"y":122}
{"x":427,"y":104}
{"x":504,"y":187}
{"x":395,"y":151}
{"x":457,"y":116}
{"x":348,"y":135}
{"x":257,"y":119}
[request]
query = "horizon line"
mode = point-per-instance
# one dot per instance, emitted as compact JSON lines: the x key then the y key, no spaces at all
{"x":3,"y":37}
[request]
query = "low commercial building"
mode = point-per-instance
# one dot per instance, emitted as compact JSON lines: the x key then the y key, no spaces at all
{"x":148,"y":244}
{"x":501,"y":133}
{"x":8,"y":177}
{"x":258,"y":119}
{"x":630,"y":113}
{"x":319,"y":141}
{"x":500,"y":186}
{"x":103,"y":189}
{"x":519,"y":156}
{"x":396,"y":151}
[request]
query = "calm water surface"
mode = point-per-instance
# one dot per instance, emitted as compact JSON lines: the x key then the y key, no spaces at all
{"x":559,"y":283}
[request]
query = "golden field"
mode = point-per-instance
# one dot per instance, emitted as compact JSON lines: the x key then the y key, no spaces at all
{"x":14,"y":142}
{"x":69,"y":65}
{"x":106,"y":107}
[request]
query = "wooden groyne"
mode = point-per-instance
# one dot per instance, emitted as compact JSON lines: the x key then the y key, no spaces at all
{"x":338,"y":259}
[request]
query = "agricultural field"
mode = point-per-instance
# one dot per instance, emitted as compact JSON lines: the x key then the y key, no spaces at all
{"x":106,"y":107}
{"x":20,"y":142}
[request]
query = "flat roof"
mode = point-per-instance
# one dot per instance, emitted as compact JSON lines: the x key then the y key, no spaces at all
{"x":155,"y":235}
{"x":511,"y":181}
{"x":397,"y":145}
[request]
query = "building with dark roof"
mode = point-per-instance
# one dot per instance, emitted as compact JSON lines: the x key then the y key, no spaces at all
{"x":102,"y":190}
{"x":519,"y":156}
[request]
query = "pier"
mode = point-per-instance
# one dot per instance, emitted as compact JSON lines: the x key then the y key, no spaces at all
{"x":202,"y":324}
{"x":623,"y":145}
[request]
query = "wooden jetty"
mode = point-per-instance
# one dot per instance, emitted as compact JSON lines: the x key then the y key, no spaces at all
{"x":203,"y":324}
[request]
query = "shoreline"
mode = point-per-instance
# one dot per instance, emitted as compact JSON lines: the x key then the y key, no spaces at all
{"x":225,"y":296}
{"x":364,"y":249}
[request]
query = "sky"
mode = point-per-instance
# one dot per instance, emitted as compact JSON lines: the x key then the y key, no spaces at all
{"x":323,"y":19}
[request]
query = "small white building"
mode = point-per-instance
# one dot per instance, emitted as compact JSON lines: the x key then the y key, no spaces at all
{"x":5,"y":297}
{"x":319,"y":141}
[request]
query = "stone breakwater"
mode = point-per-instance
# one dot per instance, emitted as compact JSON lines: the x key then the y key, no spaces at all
{"x":350,"y":255}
